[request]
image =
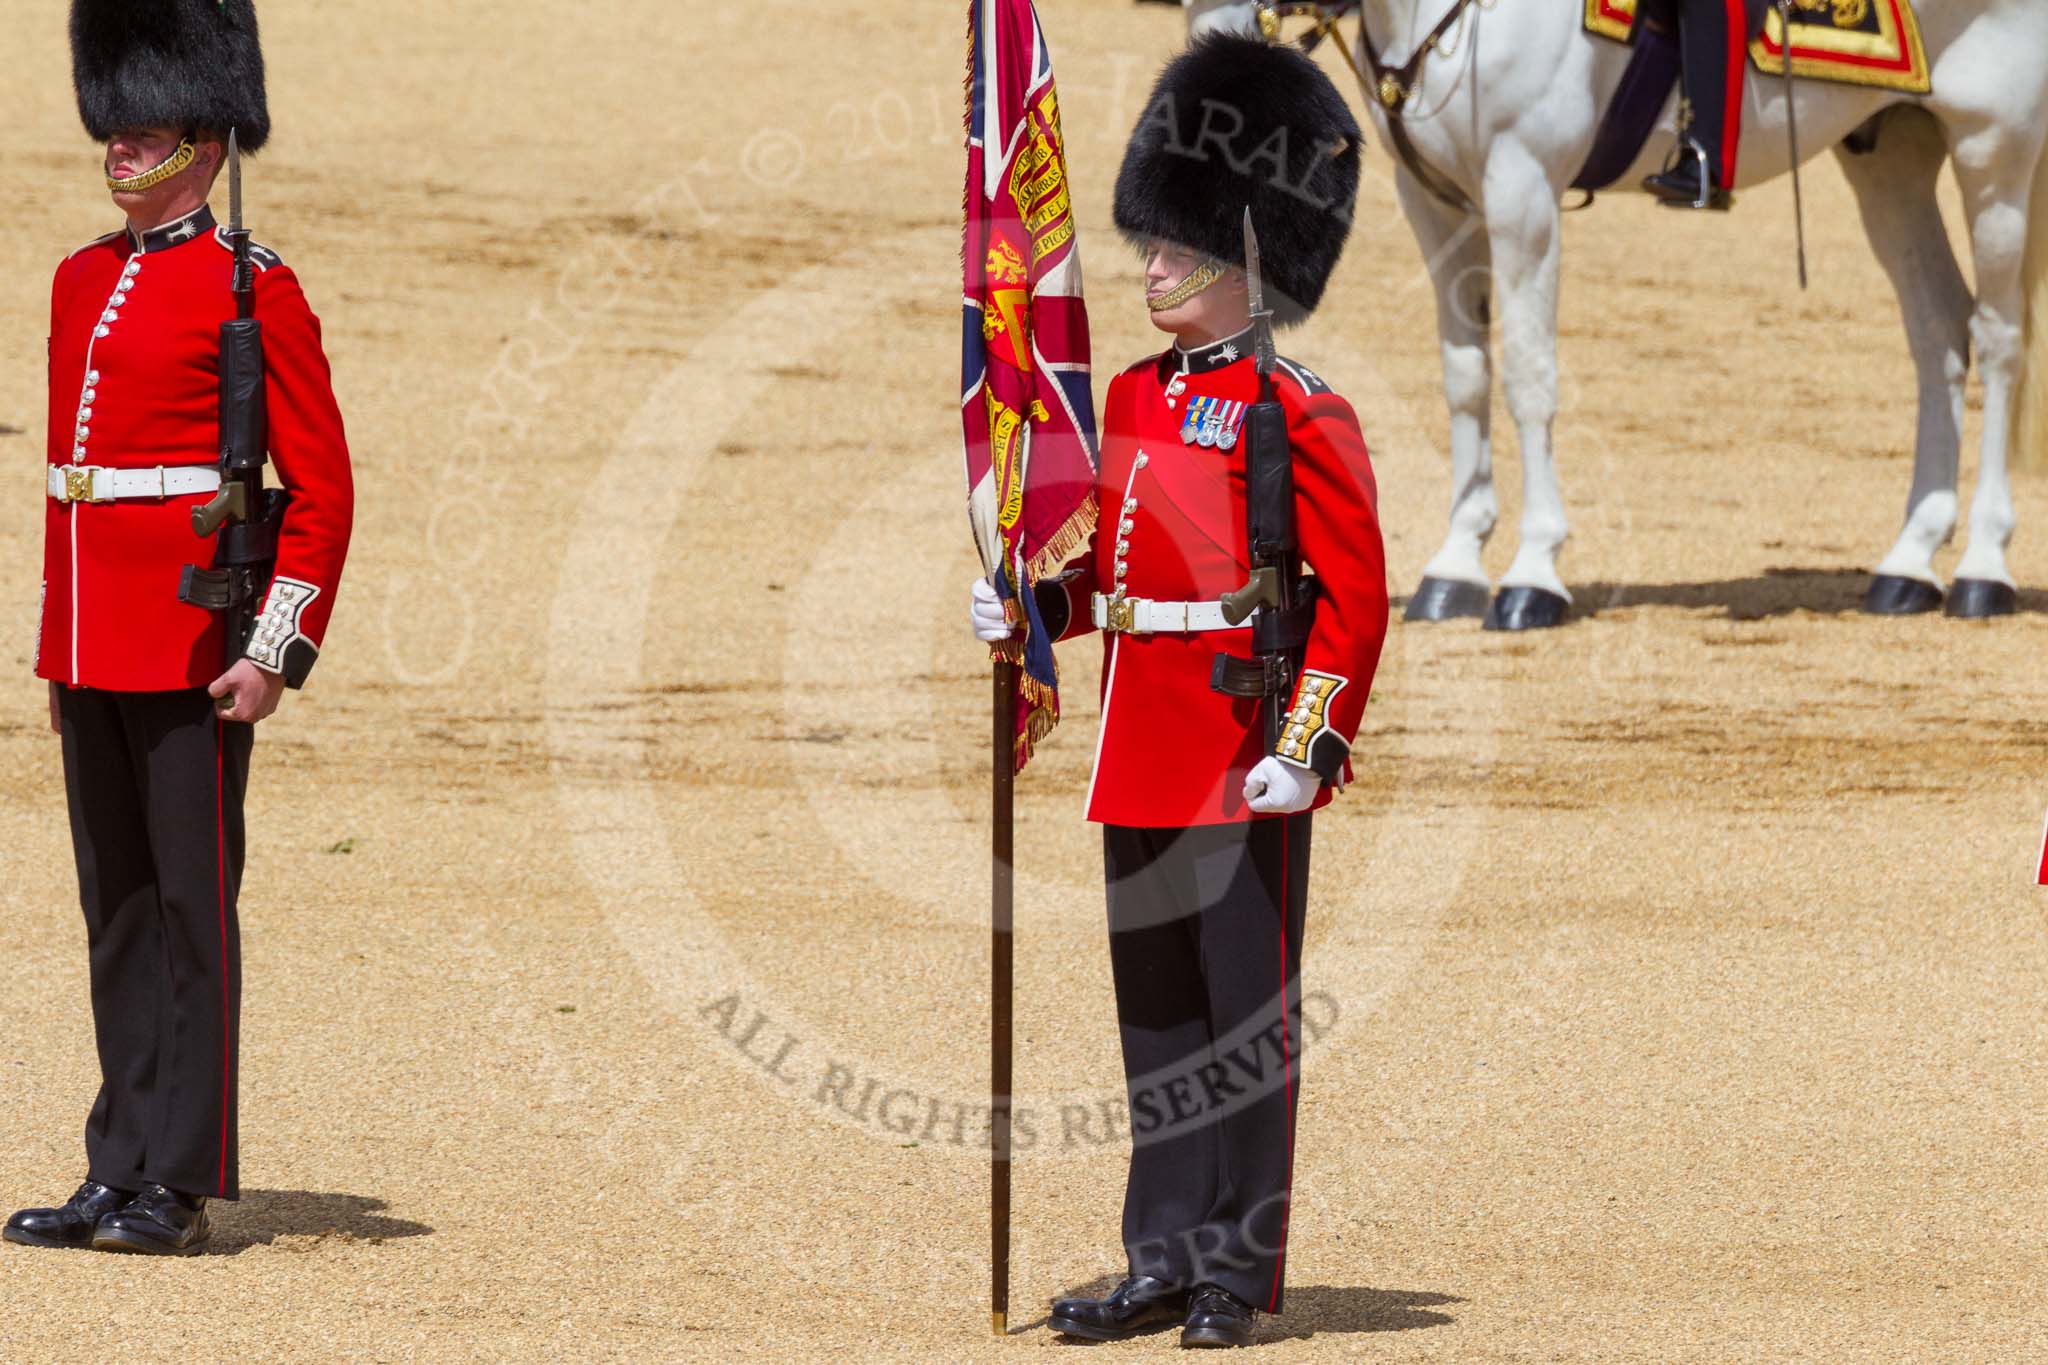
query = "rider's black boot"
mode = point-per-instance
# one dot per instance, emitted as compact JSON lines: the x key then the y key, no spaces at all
{"x":1688,"y":182}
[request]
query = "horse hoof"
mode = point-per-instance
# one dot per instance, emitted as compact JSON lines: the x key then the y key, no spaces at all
{"x":1976,"y":598}
{"x":1526,"y":609}
{"x":1446,"y":599}
{"x":1891,"y":595}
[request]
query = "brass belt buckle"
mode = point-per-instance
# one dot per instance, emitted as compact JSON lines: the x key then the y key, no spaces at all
{"x":78,"y":483}
{"x":1122,"y":615}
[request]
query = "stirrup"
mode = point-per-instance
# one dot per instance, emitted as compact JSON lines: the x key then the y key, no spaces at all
{"x":1707,"y":196}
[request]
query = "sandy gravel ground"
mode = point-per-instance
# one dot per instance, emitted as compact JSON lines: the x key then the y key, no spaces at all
{"x":1683,"y":973}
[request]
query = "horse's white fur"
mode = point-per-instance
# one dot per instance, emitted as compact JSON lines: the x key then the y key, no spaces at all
{"x":1510,"y":116}
{"x":2033,"y":410}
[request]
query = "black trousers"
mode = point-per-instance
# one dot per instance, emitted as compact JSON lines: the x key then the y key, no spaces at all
{"x":1714,"y":38}
{"x":1205,"y":946}
{"x":155,"y":783}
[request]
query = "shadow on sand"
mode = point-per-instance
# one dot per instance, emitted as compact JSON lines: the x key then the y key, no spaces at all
{"x":264,"y":1216}
{"x":1774,"y":592}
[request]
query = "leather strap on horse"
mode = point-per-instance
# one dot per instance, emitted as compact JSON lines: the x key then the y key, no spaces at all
{"x":1391,"y":86}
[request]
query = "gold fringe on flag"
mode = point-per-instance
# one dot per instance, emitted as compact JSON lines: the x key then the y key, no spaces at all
{"x":1043,"y":698}
{"x":1060,"y":546}
{"x":1037,"y":726}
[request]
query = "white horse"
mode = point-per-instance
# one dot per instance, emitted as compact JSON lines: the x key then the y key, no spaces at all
{"x":1508,"y":118}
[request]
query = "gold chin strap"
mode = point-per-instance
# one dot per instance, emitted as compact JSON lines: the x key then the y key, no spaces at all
{"x":1200,"y":278}
{"x":157,"y":174}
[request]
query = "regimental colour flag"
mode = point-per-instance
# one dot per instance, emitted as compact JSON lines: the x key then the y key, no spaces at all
{"x":1026,"y":407}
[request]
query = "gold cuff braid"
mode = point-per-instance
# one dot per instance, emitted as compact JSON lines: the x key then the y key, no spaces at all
{"x":1309,"y":719}
{"x":157,"y":174}
{"x":1200,"y":278}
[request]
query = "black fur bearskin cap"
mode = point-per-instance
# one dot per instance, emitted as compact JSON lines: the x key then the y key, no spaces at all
{"x":185,"y":64}
{"x":1234,"y":122}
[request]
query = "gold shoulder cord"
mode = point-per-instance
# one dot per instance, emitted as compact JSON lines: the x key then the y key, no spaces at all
{"x":157,"y":174}
{"x":1200,"y":278}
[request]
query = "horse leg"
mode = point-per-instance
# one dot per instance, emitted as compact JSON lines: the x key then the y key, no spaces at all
{"x":1895,"y":188}
{"x":1523,"y":233}
{"x":1455,"y":248}
{"x":1995,"y":166}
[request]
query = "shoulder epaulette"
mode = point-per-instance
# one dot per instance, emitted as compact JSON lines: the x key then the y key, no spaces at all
{"x":262,"y":257}
{"x":1310,"y":382}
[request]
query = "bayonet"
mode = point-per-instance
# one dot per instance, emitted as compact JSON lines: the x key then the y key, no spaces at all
{"x":1265,"y":356}
{"x":244,"y":280}
{"x":234,"y":182}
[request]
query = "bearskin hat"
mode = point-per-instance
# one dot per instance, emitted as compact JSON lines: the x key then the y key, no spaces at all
{"x":1236,"y":123}
{"x":186,"y":64}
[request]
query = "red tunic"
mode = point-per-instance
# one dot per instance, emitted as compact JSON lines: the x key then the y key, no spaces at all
{"x":134,"y":374}
{"x":1172,"y":752}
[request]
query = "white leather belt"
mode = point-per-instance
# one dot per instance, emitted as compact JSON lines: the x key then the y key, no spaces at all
{"x":97,"y":483}
{"x":1143,"y":616}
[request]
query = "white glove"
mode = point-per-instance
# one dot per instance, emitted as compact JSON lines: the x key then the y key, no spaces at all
{"x":985,"y":614}
{"x":1275,"y":786}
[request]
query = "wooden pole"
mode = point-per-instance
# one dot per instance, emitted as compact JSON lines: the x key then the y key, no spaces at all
{"x":1001,"y":891}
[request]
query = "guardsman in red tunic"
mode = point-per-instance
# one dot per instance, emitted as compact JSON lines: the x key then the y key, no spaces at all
{"x":156,"y":722}
{"x":1205,"y":820}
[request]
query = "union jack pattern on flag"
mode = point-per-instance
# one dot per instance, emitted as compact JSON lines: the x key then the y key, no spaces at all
{"x":1026,"y":407}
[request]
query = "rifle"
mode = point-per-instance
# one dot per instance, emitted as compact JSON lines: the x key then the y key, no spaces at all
{"x":1284,"y":602}
{"x":244,"y":515}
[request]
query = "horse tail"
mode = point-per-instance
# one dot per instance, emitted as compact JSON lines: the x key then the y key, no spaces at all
{"x":2030,"y":419}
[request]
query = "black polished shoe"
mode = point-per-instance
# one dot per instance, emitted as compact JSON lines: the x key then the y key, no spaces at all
{"x":1218,"y":1317}
{"x":71,"y":1225}
{"x":1138,"y":1302}
{"x":1687,"y":183}
{"x":157,"y":1222}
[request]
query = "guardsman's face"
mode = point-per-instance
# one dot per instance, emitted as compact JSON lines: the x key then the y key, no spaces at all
{"x":135,"y":150}
{"x":1219,"y":311}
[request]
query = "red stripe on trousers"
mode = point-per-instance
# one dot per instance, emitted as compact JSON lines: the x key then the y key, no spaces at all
{"x":1731,"y":107}
{"x":220,"y":865}
{"x":1287,"y":1060}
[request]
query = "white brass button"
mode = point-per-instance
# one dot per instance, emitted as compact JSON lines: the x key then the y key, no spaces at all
{"x":100,"y":330}
{"x":1124,"y":527}
{"x":1123,"y":547}
{"x":1143,"y":460}
{"x":92,"y":377}
{"x":88,"y":396}
{"x":1130,"y":504}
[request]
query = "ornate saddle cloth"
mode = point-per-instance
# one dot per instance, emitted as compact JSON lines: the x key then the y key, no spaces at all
{"x":1851,"y":42}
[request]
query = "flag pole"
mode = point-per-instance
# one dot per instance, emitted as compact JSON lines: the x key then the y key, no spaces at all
{"x":1002,"y":875}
